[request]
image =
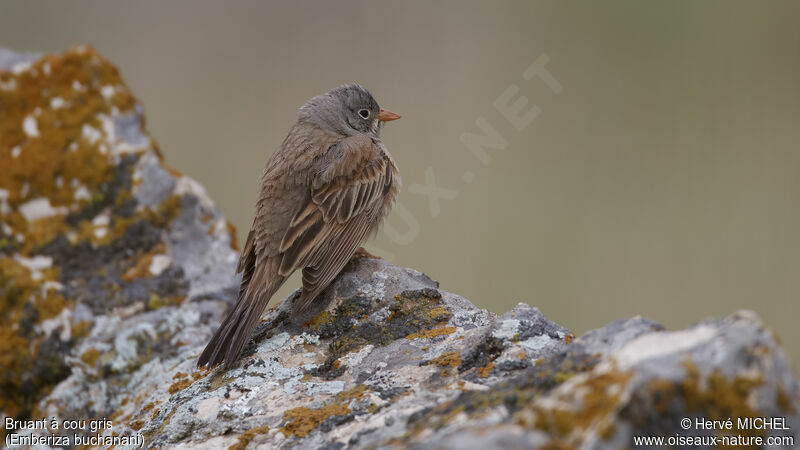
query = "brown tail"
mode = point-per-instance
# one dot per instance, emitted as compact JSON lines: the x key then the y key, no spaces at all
{"x":234,"y":332}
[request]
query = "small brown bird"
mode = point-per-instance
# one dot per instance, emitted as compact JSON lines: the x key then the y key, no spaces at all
{"x":327,"y":188}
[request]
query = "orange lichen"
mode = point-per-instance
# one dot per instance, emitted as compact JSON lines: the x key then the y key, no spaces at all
{"x":302,"y":420}
{"x":172,"y":171}
{"x":233,"y":234}
{"x":317,"y":321}
{"x":51,"y":128}
{"x":448,"y":359}
{"x":350,"y":394}
{"x":141,"y":268}
{"x":486,"y":370}
{"x":50,"y":305}
{"x":783,"y":401}
{"x":90,"y":356}
{"x":14,"y":359}
{"x":201,"y":373}
{"x":165,"y":212}
{"x":600,"y":396}
{"x":179,"y":385}
{"x":55,"y":149}
{"x":426,"y":334}
{"x":719,"y":397}
{"x":248,"y":436}
{"x":81,"y":328}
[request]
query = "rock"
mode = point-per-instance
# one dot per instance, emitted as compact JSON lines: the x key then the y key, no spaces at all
{"x":111,"y":285}
{"x":111,"y":263}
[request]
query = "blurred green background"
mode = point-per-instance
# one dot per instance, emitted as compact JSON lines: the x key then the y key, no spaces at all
{"x":661,"y":180}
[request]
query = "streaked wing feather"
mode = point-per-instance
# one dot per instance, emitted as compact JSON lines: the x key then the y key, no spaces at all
{"x":337,"y":217}
{"x":317,"y":277}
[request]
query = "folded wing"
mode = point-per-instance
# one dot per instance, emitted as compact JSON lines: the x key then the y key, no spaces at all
{"x":346,"y":197}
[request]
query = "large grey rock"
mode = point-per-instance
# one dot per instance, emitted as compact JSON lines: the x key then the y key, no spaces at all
{"x":139,"y":266}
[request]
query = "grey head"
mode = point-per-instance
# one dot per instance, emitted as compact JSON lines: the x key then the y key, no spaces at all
{"x":347,"y":110}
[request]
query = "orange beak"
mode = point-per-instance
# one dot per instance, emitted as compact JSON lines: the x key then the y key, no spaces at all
{"x":386,"y":116}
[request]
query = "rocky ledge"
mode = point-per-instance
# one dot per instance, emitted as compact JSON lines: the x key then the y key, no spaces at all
{"x":115,"y":269}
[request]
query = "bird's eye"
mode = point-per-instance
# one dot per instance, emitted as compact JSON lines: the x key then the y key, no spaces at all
{"x":364,"y":113}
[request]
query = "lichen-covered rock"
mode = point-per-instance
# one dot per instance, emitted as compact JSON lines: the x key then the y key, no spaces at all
{"x":112,"y":284}
{"x":110,"y":261}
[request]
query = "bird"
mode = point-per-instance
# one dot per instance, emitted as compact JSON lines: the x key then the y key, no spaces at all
{"x":323,"y":192}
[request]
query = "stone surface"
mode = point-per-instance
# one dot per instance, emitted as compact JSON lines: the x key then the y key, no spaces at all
{"x":111,"y":284}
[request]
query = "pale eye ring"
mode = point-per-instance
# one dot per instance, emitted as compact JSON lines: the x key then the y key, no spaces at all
{"x":364,"y":113}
